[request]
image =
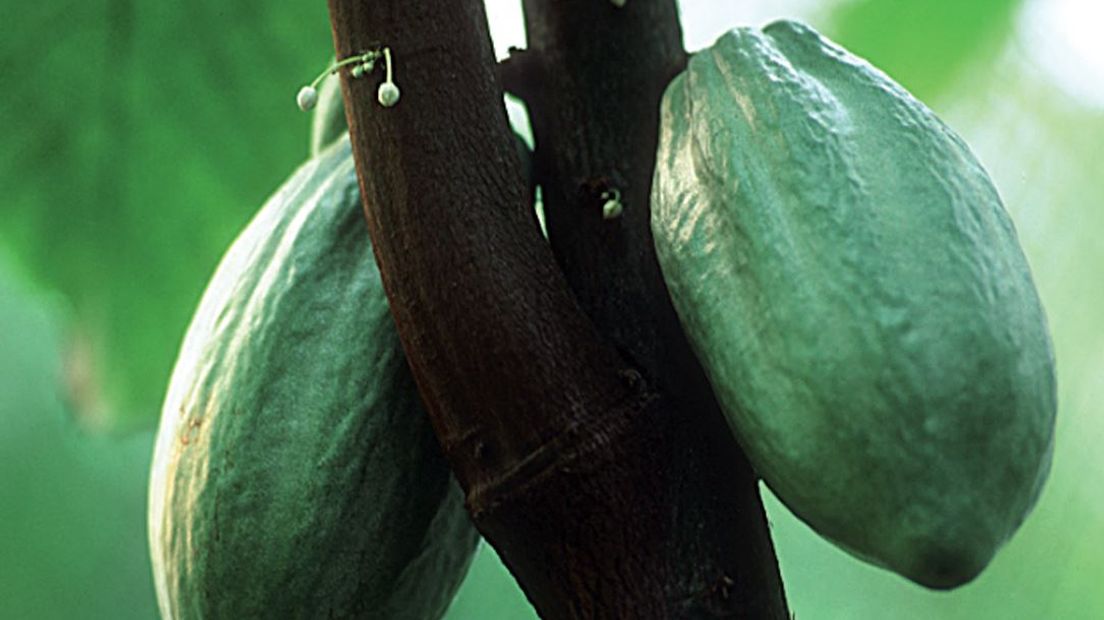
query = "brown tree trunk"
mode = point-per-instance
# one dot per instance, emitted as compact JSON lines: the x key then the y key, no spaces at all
{"x":592,"y":454}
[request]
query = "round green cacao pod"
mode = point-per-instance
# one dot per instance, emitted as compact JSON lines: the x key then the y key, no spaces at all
{"x":295,"y":473}
{"x":846,"y":273}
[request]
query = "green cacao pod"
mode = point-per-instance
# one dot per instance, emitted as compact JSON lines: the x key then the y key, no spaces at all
{"x":328,"y":121}
{"x":295,"y":472}
{"x":847,"y":275}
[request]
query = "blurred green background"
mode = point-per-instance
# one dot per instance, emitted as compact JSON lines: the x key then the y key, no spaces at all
{"x":140,"y":137}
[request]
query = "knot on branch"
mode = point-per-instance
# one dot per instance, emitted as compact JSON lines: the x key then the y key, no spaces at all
{"x":520,"y":74}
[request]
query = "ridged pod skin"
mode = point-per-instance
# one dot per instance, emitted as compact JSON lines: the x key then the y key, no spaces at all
{"x":295,"y":473}
{"x":850,"y":280}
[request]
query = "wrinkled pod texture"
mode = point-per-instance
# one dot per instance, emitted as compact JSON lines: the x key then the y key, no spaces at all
{"x":848,"y":276}
{"x":295,"y":473}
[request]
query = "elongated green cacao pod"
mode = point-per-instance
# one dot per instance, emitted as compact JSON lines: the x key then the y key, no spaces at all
{"x":847,"y":274}
{"x":295,"y":473}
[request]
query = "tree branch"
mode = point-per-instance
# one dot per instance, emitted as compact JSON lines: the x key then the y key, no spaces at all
{"x":562,"y":449}
{"x":595,"y":119}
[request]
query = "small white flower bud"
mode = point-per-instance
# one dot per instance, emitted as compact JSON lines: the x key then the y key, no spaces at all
{"x":612,"y":209}
{"x":306,"y":98}
{"x":363,"y":68}
{"x":388,"y":94}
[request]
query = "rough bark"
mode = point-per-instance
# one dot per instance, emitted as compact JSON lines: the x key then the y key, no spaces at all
{"x":601,"y":478}
{"x":596,"y":76}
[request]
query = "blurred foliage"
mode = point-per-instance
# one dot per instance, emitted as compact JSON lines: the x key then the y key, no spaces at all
{"x":72,"y":508}
{"x":142,"y":138}
{"x":923,"y":45}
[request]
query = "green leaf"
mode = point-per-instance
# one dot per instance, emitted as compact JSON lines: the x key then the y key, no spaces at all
{"x":144,"y":137}
{"x":923,"y":45}
{"x":72,"y":507}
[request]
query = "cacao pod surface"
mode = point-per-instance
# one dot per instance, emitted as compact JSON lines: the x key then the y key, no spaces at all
{"x":847,"y":274}
{"x":328,"y":120}
{"x":295,"y":472}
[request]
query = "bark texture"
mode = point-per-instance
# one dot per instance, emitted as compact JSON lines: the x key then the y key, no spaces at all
{"x":581,"y":429}
{"x":597,"y":73}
